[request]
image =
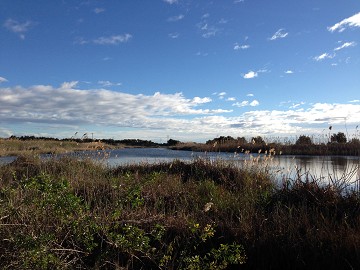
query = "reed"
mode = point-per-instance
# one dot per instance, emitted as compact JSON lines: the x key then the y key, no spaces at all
{"x":65,"y":213}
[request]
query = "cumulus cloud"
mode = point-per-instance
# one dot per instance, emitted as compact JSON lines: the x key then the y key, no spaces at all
{"x":66,"y":104}
{"x":250,"y":75}
{"x":289,"y":72}
{"x":113,"y":40}
{"x":254,"y":103}
{"x":323,"y":57}
{"x":66,"y":107}
{"x":353,"y":21}
{"x":2,"y":79}
{"x":18,"y":27}
{"x":345,"y":45}
{"x":279,"y":34}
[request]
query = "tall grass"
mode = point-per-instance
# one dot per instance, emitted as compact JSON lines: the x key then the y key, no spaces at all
{"x":77,"y":214}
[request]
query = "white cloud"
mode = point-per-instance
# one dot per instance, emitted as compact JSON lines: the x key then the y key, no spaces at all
{"x":345,"y":45}
{"x":279,"y":34}
{"x":231,"y":99}
{"x":254,"y":103}
{"x":17,"y":27}
{"x":250,"y":75}
{"x":68,"y":108}
{"x":2,"y":79}
{"x":238,"y":1}
{"x":323,"y":57}
{"x":113,"y":40}
{"x":108,"y":83}
{"x":353,"y":21}
{"x":241,"y":47}
{"x":69,"y":85}
{"x":206,"y":29}
{"x":355,"y":101}
{"x":241,"y":104}
{"x":176,"y":18}
{"x":99,"y":10}
{"x":289,"y":72}
{"x":171,"y":1}
{"x":250,"y":95}
{"x":174,"y":35}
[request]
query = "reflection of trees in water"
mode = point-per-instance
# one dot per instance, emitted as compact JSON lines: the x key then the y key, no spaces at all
{"x":339,"y":163}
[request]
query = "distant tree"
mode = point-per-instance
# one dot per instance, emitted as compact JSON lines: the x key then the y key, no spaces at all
{"x":172,"y":142}
{"x":355,"y":141}
{"x":258,"y":140}
{"x":220,"y":140}
{"x":340,"y":137}
{"x":304,"y":140}
{"x":241,"y":140}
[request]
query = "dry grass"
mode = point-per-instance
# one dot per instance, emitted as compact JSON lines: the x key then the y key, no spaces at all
{"x":69,"y":214}
{"x":15,"y":147}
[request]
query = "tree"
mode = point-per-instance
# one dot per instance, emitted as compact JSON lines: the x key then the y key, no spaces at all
{"x":304,"y":140}
{"x":340,"y":137}
{"x":258,"y":140}
{"x":172,"y":142}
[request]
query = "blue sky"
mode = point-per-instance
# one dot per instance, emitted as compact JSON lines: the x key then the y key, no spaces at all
{"x":185,"y":69}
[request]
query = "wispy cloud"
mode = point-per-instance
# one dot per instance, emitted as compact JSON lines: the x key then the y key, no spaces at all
{"x":245,"y":103}
{"x":108,"y":83}
{"x":17,"y":27}
{"x":237,"y":46}
{"x":171,"y":1}
{"x":99,"y":10}
{"x":207,"y":29}
{"x":176,"y":18}
{"x":2,"y":79}
{"x":238,"y":1}
{"x":289,"y":71}
{"x":279,"y":34}
{"x":110,"y":40}
{"x":174,"y":35}
{"x":323,"y":57}
{"x":113,"y":40}
{"x":345,"y":45}
{"x":353,"y":21}
{"x":250,"y":75}
{"x":231,"y":99}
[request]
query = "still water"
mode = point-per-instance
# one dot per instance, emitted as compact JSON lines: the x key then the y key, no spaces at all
{"x":285,"y":167}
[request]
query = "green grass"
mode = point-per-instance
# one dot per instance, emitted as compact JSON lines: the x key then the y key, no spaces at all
{"x":71,"y":214}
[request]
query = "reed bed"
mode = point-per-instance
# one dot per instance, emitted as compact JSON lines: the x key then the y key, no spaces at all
{"x":65,"y":213}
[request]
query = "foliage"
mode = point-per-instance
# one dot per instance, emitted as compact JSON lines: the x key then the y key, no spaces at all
{"x":340,"y":137}
{"x":304,"y":140}
{"x":72,"y":214}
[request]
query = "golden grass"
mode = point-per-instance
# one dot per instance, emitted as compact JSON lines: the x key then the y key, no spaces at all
{"x":15,"y":147}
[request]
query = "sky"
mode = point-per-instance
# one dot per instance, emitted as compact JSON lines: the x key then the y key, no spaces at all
{"x":189,"y":70}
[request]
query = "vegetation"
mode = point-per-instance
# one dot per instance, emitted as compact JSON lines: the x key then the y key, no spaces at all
{"x":71,"y":214}
{"x":304,"y":145}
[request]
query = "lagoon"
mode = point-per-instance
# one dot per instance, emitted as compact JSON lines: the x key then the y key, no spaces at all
{"x":326,"y":168}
